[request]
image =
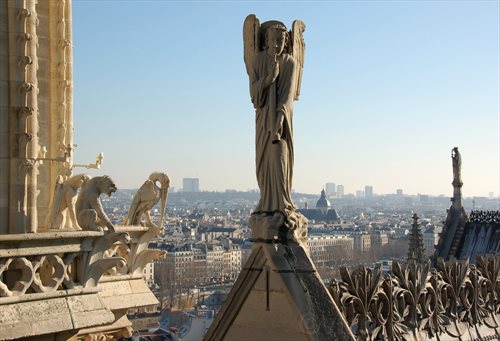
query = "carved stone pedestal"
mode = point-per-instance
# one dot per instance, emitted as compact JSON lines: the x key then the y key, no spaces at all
{"x":278,"y":295}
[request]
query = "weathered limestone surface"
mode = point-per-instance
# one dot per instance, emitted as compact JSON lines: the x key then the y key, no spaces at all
{"x":279,"y":296}
{"x":135,"y":290}
{"x":72,"y":281}
{"x":52,"y":315}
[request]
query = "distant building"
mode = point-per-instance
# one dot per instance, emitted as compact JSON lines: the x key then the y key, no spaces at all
{"x":190,"y":185}
{"x":362,"y":242}
{"x":329,"y":248}
{"x":430,"y":240}
{"x":149,"y":273}
{"x":379,"y":238}
{"x":218,"y":232}
{"x":368,"y":191}
{"x":399,"y":192}
{"x":198,"y":264}
{"x":323,"y":211}
{"x":360,"y":194}
{"x":340,"y":191}
{"x":330,"y":189}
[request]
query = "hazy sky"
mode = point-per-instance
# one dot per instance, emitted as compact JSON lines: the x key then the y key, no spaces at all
{"x":389,"y":88}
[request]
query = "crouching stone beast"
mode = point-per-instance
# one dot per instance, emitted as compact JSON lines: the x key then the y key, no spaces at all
{"x":90,"y":214}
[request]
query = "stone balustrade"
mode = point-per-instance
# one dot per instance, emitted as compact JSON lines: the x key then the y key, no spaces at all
{"x":81,"y":279}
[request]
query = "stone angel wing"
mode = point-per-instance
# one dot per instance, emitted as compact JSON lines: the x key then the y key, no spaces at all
{"x":251,"y":32}
{"x":297,"y":51}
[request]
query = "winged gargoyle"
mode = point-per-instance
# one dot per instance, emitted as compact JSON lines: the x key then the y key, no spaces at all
{"x":146,"y":198}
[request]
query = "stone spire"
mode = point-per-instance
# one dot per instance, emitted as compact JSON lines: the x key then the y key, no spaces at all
{"x":456,"y":219}
{"x":416,"y":249}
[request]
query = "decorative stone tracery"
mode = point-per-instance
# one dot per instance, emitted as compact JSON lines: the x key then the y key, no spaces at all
{"x":417,"y":302}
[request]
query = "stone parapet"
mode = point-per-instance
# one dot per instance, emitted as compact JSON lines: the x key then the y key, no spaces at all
{"x":72,"y":281}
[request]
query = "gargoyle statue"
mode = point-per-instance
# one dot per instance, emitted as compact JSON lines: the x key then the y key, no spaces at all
{"x":89,"y":211}
{"x":62,"y":211}
{"x":146,"y":198}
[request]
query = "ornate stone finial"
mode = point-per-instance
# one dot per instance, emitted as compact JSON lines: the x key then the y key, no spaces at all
{"x":416,"y":249}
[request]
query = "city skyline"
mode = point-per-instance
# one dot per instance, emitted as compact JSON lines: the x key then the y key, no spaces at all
{"x":388,"y":90}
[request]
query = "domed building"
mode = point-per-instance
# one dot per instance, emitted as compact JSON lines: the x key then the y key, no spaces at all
{"x":324,"y":212}
{"x":323,"y":204}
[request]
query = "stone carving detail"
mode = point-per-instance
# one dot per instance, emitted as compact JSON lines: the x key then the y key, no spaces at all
{"x":23,"y":282}
{"x":89,"y":211}
{"x":62,"y":211}
{"x":102,"y":260}
{"x":457,"y":166}
{"x":274,"y":62}
{"x":416,"y":300}
{"x":485,"y":217}
{"x":146,"y":198}
{"x":124,"y":333}
{"x":115,"y":253}
{"x":132,"y":250}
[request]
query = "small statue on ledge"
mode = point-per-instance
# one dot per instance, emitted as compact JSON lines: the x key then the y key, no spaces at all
{"x":89,"y":211}
{"x":62,"y":212}
{"x":457,"y":166}
{"x":146,"y":198}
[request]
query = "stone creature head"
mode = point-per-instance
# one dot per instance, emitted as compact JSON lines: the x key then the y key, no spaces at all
{"x":164,"y":180}
{"x":106,"y":185}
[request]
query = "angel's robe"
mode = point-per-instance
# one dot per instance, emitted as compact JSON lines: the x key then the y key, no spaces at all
{"x":274,"y":161}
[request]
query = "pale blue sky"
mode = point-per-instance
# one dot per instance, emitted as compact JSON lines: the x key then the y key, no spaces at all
{"x":389,"y":87}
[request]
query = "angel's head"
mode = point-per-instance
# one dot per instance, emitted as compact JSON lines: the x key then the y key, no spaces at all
{"x":276,"y":39}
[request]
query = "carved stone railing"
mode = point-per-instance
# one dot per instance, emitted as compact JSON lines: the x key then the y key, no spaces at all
{"x":85,"y":265}
{"x":50,"y":262}
{"x":417,"y":302}
{"x":485,"y":217}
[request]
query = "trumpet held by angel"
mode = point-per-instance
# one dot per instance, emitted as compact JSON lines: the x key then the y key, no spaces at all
{"x":154,"y":190}
{"x":274,"y":59}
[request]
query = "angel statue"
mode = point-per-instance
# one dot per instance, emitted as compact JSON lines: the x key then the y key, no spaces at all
{"x":274,"y":59}
{"x":62,"y":210}
{"x":146,"y":198}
